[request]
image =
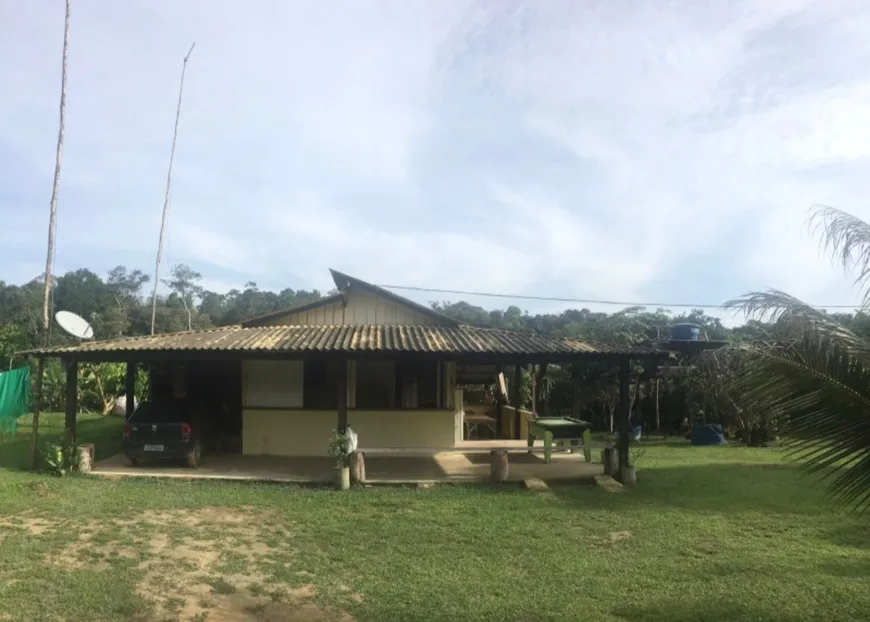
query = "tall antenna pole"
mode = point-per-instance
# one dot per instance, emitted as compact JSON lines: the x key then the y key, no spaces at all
{"x":52,"y":231}
{"x":168,"y":189}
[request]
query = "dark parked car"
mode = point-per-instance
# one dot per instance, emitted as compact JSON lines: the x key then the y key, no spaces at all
{"x":171,"y":429}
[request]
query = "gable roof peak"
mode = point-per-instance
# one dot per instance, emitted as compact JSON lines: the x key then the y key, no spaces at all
{"x":345,"y":282}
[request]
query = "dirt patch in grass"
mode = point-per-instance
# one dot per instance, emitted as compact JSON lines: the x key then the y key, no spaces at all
{"x":32,"y":526}
{"x":207,"y":564}
{"x":609,"y":539}
{"x":616,"y":536}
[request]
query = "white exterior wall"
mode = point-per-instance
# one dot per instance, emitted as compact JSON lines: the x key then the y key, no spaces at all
{"x":274,"y":422}
{"x":307,"y":432}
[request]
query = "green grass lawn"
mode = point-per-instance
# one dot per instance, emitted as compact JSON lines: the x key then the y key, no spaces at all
{"x":103,"y":431}
{"x":720,"y":533}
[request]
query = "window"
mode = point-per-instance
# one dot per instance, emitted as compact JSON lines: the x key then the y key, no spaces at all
{"x":375,"y":385}
{"x":388,"y":384}
{"x":320,"y":384}
{"x":418,"y":382}
{"x":273,"y":384}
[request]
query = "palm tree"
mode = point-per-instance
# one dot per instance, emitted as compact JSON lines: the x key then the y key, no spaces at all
{"x":813,"y":373}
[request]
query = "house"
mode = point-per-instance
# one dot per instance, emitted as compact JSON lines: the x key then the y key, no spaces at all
{"x":389,"y":367}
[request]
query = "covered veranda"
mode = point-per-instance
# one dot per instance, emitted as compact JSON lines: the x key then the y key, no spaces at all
{"x":471,"y":466}
{"x":462,"y":346}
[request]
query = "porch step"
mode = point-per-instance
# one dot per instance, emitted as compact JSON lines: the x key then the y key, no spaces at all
{"x":608,"y":483}
{"x":533,"y":483}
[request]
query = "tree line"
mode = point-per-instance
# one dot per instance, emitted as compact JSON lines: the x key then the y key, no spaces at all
{"x":116,"y":305}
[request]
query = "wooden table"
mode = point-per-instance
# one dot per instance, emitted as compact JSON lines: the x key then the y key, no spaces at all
{"x":472,"y":422}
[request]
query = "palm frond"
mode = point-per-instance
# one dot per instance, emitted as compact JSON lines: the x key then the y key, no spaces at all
{"x":793,"y":317}
{"x":821,"y":394}
{"x":846,"y":239}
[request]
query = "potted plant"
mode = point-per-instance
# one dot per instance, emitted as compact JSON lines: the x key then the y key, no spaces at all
{"x":338,"y":448}
{"x":629,"y":471}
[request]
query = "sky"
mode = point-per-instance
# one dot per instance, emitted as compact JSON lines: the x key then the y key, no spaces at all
{"x":663,"y":151}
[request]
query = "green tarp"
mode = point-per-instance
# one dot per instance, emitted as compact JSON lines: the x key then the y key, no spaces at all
{"x":14,"y":397}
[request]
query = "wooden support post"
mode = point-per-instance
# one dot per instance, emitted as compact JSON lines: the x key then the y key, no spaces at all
{"x":130,"y":389}
{"x":624,"y":413}
{"x":533,"y":377}
{"x":72,"y":377}
{"x":498,"y":465}
{"x":541,"y":394}
{"x":341,"y":397}
{"x":499,"y":398}
{"x":658,"y":414}
{"x":611,"y":461}
{"x":343,"y":473}
{"x":587,"y":450}
{"x":37,"y":400}
{"x":636,"y":402}
{"x":575,"y":390}
{"x":517,"y":398}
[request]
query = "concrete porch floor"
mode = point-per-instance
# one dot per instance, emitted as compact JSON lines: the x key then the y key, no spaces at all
{"x":445,"y":467}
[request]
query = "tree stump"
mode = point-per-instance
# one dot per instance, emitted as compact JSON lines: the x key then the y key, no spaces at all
{"x":357,"y":468}
{"x":86,"y":457}
{"x":498,"y":465}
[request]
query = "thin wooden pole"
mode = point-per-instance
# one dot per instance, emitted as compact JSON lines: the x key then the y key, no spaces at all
{"x":575,"y":390}
{"x":341,"y":396}
{"x":499,"y":397}
{"x":534,"y":380}
{"x":168,"y":192}
{"x":624,"y":412}
{"x":130,"y":389}
{"x":34,"y":440}
{"x":52,"y":232}
{"x":517,"y":398}
{"x":72,"y":378}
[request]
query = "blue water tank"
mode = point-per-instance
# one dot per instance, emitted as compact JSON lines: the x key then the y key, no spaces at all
{"x":685,"y":332}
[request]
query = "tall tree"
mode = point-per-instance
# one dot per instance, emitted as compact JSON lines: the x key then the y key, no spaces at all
{"x":814,"y":371}
{"x":52,"y":230}
{"x":168,"y":192}
{"x":184,"y":282}
{"x":125,"y":289}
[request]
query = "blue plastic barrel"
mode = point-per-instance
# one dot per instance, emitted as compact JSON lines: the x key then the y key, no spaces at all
{"x":636,"y":431}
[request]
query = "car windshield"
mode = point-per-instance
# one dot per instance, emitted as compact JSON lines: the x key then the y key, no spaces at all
{"x":170,"y":411}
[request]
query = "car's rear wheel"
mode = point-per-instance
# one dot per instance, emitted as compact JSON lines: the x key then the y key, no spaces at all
{"x":195,"y":456}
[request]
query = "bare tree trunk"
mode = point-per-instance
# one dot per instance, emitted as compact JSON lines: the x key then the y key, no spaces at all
{"x":52,"y":230}
{"x":166,"y":196}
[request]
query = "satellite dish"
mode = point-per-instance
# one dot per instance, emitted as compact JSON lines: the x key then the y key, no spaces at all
{"x":75,"y":325}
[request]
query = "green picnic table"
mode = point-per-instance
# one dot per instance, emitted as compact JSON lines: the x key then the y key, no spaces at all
{"x":558,"y":430}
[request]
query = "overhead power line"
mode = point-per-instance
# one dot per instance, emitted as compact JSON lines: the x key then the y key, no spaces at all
{"x":621,"y":303}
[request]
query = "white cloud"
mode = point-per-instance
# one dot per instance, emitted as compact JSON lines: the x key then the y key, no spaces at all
{"x":601,"y":150}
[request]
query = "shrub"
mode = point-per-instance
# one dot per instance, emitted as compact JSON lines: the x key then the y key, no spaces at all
{"x":61,"y":459}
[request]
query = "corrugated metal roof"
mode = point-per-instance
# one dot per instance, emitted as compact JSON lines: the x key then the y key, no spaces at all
{"x":349,"y":339}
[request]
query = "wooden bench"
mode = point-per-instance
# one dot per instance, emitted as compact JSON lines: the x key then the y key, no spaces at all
{"x":498,"y":456}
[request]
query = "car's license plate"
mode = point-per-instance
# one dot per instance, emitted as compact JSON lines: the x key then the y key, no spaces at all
{"x":153,"y":447}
